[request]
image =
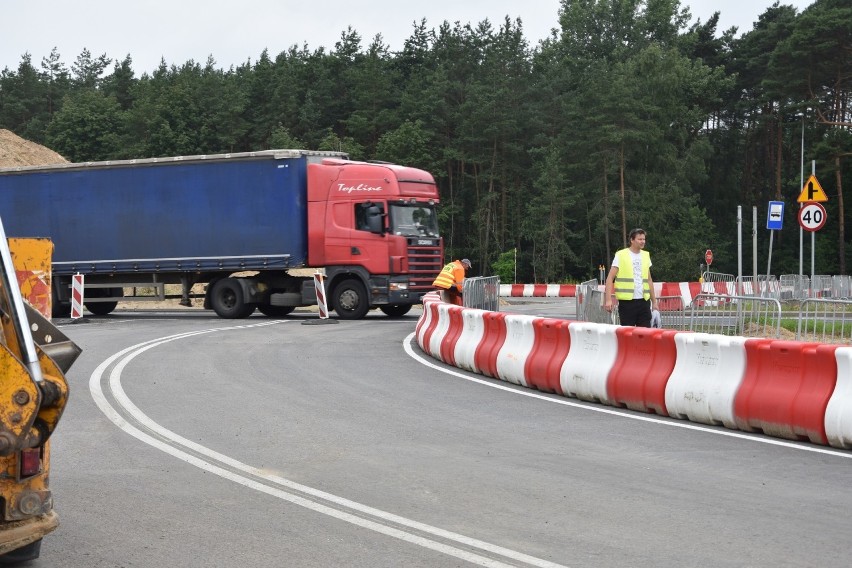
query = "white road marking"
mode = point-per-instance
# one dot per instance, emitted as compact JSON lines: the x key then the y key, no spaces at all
{"x":171,"y":443}
{"x":408,"y":341}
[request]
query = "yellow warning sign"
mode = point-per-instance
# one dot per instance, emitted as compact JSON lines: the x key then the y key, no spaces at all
{"x":812,"y":191}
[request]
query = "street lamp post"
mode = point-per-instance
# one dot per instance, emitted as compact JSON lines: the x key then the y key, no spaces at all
{"x":802,"y":184}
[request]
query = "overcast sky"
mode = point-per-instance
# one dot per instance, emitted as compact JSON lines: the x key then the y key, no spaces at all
{"x":235,"y":32}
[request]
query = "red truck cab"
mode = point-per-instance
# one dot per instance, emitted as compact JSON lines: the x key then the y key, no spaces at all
{"x":375,"y":223}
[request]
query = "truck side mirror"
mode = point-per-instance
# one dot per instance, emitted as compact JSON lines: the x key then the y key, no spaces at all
{"x":374,"y":220}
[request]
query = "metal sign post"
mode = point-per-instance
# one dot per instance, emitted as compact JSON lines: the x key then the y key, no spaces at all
{"x":812,"y":193}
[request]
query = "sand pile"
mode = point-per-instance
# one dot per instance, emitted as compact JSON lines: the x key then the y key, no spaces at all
{"x":15,"y":151}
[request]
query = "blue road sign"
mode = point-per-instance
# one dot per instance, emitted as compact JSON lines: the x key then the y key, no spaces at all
{"x":775,"y":217}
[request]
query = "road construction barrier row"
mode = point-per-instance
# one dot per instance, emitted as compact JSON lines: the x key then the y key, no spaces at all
{"x":538,"y":290}
{"x":787,"y":389}
{"x":686,"y":290}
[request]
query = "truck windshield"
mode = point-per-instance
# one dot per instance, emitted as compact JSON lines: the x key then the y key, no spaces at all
{"x":414,"y":220}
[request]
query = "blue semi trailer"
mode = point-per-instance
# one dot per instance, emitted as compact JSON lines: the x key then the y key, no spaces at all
{"x":236,"y":223}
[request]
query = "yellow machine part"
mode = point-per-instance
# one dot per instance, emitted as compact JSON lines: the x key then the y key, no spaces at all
{"x":31,"y":257}
{"x":30,"y":406}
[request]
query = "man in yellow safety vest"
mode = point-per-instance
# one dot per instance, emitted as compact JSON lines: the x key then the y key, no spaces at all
{"x":451,"y":280}
{"x":630,"y":281}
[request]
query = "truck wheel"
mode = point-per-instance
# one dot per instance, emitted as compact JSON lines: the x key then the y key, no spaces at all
{"x":26,"y":553}
{"x":60,"y":309}
{"x":227,"y":301}
{"x":395,"y":310}
{"x":275,"y":311}
{"x":103,"y":308}
{"x":350,"y":300}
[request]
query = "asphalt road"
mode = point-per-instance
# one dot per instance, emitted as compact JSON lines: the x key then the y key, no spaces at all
{"x":199,"y":442}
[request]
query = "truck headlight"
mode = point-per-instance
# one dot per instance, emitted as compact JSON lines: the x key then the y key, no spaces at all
{"x":398,"y":286}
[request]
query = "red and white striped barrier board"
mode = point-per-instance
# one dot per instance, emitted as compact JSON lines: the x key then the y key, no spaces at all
{"x":538,"y":290}
{"x":686,"y":290}
{"x":320,"y":288}
{"x":77,"y":296}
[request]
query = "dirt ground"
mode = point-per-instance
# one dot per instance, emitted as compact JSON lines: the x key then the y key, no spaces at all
{"x":16,"y":152}
{"x":197,"y":289}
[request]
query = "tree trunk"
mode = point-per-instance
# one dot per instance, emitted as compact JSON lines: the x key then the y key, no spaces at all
{"x":623,"y":198}
{"x":606,"y":212}
{"x":778,"y":160}
{"x":841,"y":242}
{"x":451,"y":186}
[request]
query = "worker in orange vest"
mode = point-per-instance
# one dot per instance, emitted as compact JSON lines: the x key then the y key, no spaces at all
{"x":451,"y":280}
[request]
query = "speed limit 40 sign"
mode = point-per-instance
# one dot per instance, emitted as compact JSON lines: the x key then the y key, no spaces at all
{"x":812,"y":216}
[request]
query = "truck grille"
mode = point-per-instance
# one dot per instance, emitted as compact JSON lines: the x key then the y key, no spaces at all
{"x":424,"y":264}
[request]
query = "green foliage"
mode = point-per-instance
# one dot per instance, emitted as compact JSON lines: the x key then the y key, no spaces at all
{"x":85,"y":127}
{"x":282,"y":139}
{"x":347,"y":144}
{"x":504,"y":266}
{"x":408,"y":144}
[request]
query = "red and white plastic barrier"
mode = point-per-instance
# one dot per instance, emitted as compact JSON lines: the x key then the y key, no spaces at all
{"x":645,"y":361}
{"x":512,"y":356}
{"x":473,"y":328}
{"x":594,"y":348}
{"x":787,"y":389}
{"x":77,"y":298}
{"x":838,"y":412}
{"x":706,"y":377}
{"x":548,"y":353}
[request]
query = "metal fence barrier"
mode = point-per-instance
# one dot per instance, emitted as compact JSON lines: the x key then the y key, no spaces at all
{"x":794,"y":287}
{"x":760,"y":286}
{"x":841,"y":287}
{"x":821,"y":286}
{"x":593,"y":309}
{"x":672,"y":312}
{"x":825,"y":321}
{"x":583,"y":297}
{"x":708,"y":276}
{"x":747,"y":316}
{"x":482,"y":292}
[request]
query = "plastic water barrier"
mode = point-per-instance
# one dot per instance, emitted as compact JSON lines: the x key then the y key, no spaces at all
{"x":707,"y":374}
{"x":593,"y":351}
{"x":838,"y":412}
{"x":644,"y":362}
{"x":512,"y":356}
{"x":787,"y":389}
{"x":473,"y":328}
{"x":549,"y":350}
